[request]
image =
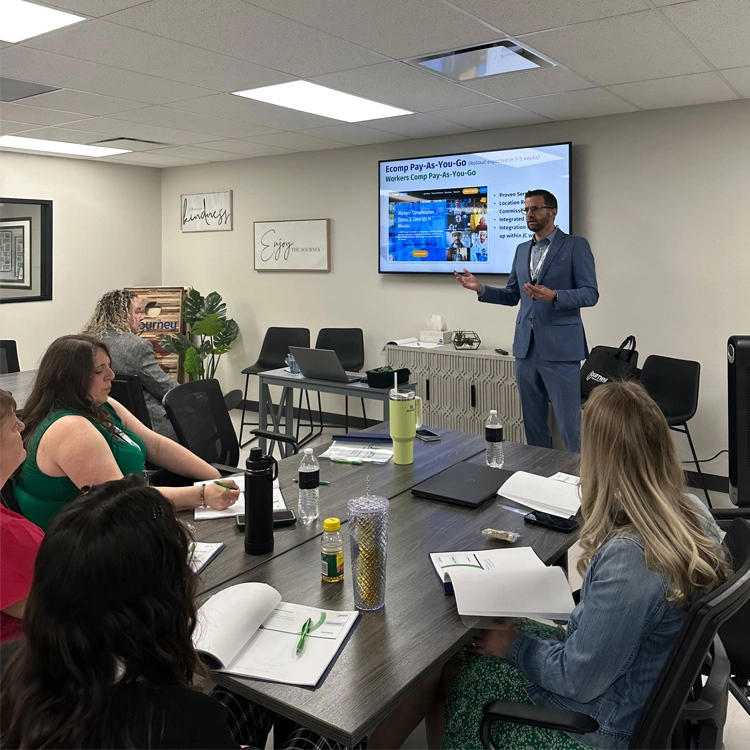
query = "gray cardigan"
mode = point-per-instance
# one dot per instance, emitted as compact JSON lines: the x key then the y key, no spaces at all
{"x":132,"y":355}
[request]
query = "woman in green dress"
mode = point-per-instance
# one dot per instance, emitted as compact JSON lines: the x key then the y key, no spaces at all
{"x":76,"y":436}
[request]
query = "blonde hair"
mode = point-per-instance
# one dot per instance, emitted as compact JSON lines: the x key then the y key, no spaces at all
{"x":631,"y":480}
{"x":111,"y":311}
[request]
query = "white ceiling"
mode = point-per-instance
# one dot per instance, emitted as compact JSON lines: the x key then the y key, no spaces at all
{"x":162,"y":70}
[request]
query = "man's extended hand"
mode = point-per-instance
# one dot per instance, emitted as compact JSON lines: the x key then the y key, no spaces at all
{"x":468,"y":281}
{"x":539,"y":292}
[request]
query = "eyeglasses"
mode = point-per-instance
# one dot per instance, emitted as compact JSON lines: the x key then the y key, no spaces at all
{"x":534,"y":209}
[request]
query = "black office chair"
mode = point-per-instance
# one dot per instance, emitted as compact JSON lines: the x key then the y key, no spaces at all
{"x":674,"y":385}
{"x":8,"y":498}
{"x":202,"y":423}
{"x":9,"y":357}
{"x":128,"y":390}
{"x":273,"y":353}
{"x":349,"y":345}
{"x":681,"y":711}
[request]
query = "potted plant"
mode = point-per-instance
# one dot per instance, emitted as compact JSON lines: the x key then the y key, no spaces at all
{"x":211,"y":334}
{"x":465,"y":340}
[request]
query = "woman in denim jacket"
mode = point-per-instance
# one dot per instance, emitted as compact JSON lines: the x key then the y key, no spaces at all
{"x":648,"y":551}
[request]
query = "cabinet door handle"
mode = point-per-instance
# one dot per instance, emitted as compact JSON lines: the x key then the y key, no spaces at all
{"x":427,"y":389}
{"x":473,"y":396}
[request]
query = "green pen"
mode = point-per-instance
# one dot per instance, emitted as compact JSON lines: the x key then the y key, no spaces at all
{"x":225,"y":485}
{"x":191,"y":549}
{"x":303,"y":635}
{"x":322,"y":481}
{"x":352,"y":461}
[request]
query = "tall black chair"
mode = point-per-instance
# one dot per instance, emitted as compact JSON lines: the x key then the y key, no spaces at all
{"x":128,"y":390}
{"x":9,"y":357}
{"x":349,"y":345}
{"x":202,"y":423}
{"x":681,"y":711}
{"x":273,"y":353}
{"x":674,"y":385}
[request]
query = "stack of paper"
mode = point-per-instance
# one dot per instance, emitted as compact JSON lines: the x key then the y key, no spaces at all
{"x":201,"y":554}
{"x":376,"y":452}
{"x":557,"y":495}
{"x":504,"y":583}
{"x":238,"y":509}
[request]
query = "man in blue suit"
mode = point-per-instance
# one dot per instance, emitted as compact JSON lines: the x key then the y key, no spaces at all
{"x":553,"y":276}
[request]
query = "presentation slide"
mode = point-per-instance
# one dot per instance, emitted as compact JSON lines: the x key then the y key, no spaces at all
{"x":467,"y":209}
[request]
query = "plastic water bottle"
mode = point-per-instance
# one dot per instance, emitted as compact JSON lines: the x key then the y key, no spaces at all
{"x":493,"y":434}
{"x":332,"y":551}
{"x":309,"y":482}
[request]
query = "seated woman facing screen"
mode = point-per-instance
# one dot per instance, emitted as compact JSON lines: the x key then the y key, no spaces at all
{"x":117,"y":322}
{"x":649,"y":550}
{"x":19,"y":538}
{"x":76,"y":436}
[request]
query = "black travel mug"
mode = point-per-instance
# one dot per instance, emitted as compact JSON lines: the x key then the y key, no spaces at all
{"x":260,"y":473}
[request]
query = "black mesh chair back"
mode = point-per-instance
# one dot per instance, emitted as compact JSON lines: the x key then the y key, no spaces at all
{"x":674,"y":385}
{"x":127,"y":389}
{"x":202,"y":423}
{"x":8,"y":357}
{"x":348,"y":343}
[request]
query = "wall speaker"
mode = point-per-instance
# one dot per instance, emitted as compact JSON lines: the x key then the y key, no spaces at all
{"x":738,"y":371}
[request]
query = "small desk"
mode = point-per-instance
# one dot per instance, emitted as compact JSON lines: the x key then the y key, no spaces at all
{"x":392,"y":650}
{"x":19,"y":384}
{"x":289,"y":382}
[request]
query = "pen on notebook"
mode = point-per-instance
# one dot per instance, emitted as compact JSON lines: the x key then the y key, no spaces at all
{"x":225,"y":485}
{"x":191,"y":549}
{"x":303,"y":635}
{"x":322,"y":481}
{"x":352,"y":461}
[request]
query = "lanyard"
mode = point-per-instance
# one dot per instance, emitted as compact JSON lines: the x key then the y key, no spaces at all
{"x":534,"y":270}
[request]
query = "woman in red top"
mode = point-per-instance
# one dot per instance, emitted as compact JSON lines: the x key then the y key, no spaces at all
{"x":19,"y":538}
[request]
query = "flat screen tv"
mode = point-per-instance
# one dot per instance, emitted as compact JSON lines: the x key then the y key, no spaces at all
{"x":440,"y":213}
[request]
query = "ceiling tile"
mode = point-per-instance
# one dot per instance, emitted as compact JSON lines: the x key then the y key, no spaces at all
{"x":401,"y":85}
{"x":487,"y":116}
{"x":241,"y":109}
{"x":529,"y":83}
{"x":576,"y":105}
{"x":297,"y":142}
{"x":199,"y":154}
{"x":92,"y":8}
{"x":8,"y":127}
{"x":392,"y":27}
{"x":637,"y":47}
{"x":24,"y":113}
{"x":150,"y":160}
{"x":67,"y":100}
{"x":130,"y":49}
{"x":718,"y":28}
{"x":682,"y":91}
{"x":522,"y":16}
{"x":354,"y":135}
{"x":56,"y":70}
{"x":740,"y":79}
{"x":64,"y":134}
{"x":418,"y":126}
{"x":241,"y":30}
{"x":246,"y":148}
{"x":168,"y":136}
{"x":167,"y":117}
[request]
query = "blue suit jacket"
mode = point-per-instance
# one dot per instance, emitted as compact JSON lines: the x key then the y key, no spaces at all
{"x":558,"y":330}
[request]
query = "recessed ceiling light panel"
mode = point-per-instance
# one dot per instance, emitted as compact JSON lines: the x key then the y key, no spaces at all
{"x":57,"y":147}
{"x":505,"y":56}
{"x":22,"y":20}
{"x":319,"y":100}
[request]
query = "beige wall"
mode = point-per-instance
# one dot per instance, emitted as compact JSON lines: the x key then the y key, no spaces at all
{"x":661,"y":196}
{"x":106,"y":234}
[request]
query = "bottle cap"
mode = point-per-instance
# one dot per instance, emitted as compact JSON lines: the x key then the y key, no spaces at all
{"x":308,"y":451}
{"x":331,"y":524}
{"x":493,"y":411}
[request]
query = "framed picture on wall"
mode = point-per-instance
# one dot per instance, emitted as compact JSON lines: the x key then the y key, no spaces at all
{"x":25,"y":250}
{"x":299,"y":245}
{"x":206,"y":212}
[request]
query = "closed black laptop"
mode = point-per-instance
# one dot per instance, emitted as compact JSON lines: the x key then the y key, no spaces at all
{"x":463,"y":484}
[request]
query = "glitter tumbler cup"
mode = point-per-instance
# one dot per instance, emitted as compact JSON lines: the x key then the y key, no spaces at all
{"x":368,"y":537}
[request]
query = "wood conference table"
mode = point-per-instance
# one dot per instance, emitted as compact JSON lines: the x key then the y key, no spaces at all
{"x":392,"y":650}
{"x":19,"y":384}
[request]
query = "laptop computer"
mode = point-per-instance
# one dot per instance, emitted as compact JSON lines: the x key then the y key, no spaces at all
{"x":464,"y":484}
{"x":322,"y":364}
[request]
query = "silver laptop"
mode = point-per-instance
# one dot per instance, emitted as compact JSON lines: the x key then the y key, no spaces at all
{"x":322,"y":364}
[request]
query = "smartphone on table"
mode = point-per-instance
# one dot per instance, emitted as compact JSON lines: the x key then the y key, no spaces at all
{"x":556,"y":523}
{"x":427,"y":436}
{"x":286,"y":517}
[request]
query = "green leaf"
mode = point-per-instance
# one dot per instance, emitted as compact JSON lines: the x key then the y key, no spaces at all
{"x":227,"y":336}
{"x":177,"y":343}
{"x":214,"y":304}
{"x":193,"y":364}
{"x":211,"y":325}
{"x":192,"y":306}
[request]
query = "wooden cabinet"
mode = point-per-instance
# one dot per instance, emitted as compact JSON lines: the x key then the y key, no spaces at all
{"x":459,"y":387}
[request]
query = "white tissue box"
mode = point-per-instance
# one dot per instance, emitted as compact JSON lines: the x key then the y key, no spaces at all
{"x":435,"y":337}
